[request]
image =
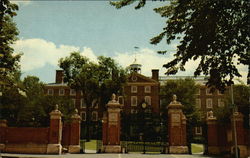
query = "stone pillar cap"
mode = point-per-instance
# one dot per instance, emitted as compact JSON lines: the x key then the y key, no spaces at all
{"x":113,"y":102}
{"x":76,"y":115}
{"x":56,"y":111}
{"x":175,"y":103}
{"x":211,"y":116}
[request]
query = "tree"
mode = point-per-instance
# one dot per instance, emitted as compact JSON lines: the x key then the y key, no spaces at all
{"x":33,"y":108}
{"x":97,"y":81}
{"x":241,"y":93}
{"x":8,"y":35}
{"x":216,"y":33}
{"x":185,"y":90}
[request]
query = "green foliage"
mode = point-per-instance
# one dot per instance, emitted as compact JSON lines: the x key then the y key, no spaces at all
{"x":216,"y":33}
{"x":97,"y":81}
{"x":184,"y":89}
{"x":241,"y":94}
{"x":8,"y":31}
{"x":33,"y":108}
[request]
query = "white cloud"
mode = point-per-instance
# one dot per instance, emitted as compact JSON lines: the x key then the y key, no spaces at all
{"x":88,"y":52}
{"x":21,"y":3}
{"x":150,"y":60}
{"x":38,"y":52}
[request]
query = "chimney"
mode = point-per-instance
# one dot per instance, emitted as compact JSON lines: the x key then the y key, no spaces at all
{"x":155,"y":74}
{"x":59,"y":76}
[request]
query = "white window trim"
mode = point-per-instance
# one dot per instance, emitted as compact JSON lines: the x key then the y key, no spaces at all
{"x":83,"y":104}
{"x":147,"y":89}
{"x":83,"y":119}
{"x":207,"y":105}
{"x":96,"y":118}
{"x":62,"y":93}
{"x":52,"y":91}
{"x":132,"y":100}
{"x":208,"y":91}
{"x":149,"y":103}
{"x":71,"y":92}
{"x":219,"y":93}
{"x":196,"y":131}
{"x":134,"y":90}
{"x":221,"y":103}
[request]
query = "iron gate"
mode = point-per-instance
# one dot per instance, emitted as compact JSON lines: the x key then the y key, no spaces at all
{"x":144,"y":132}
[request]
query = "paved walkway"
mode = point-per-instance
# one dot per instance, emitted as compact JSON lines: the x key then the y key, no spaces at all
{"x":132,"y":155}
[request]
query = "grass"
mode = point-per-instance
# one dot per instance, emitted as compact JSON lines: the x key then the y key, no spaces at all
{"x":89,"y":145}
{"x":197,"y":148}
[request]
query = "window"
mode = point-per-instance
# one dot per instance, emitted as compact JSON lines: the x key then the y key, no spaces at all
{"x":221,"y":103}
{"x":74,"y":102}
{"x":94,"y":116}
{"x":148,"y":100}
{"x":198,"y":103}
{"x":50,"y":92}
{"x":83,"y":104}
{"x":198,"y":130}
{"x":61,"y":92}
{"x":147,"y":89}
{"x":208,"y":91}
{"x":95,"y":104}
{"x":219,"y":92}
{"x":133,"y":89}
{"x":134,"y":101}
{"x":209,"y":103}
{"x":72,"y":92}
{"x":83,"y":116}
{"x":120,"y":100}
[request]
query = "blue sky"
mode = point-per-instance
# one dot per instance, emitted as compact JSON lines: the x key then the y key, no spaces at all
{"x":50,"y":30}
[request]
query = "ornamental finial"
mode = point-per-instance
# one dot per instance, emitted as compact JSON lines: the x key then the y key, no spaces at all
{"x":174,"y":98}
{"x":113,"y":97}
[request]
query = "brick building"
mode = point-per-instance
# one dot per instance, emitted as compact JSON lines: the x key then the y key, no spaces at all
{"x":139,"y":89}
{"x":205,"y":99}
{"x":59,"y":88}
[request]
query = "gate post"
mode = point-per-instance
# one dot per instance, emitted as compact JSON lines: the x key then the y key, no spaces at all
{"x":240,"y":131}
{"x":212,"y":135}
{"x":55,"y":132}
{"x":176,"y":128}
{"x":74,"y":144}
{"x":112,"y":127}
{"x":3,"y":128}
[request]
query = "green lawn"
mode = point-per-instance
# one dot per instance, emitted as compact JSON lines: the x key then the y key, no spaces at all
{"x":197,"y":148}
{"x":89,"y":145}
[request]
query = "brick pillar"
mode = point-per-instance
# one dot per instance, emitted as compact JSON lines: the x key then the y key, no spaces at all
{"x":177,"y":128}
{"x":3,"y":127}
{"x":113,"y":127}
{"x":212,"y":135}
{"x":74,"y":143}
{"x":104,"y":129}
{"x":55,"y":132}
{"x":240,"y":132}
